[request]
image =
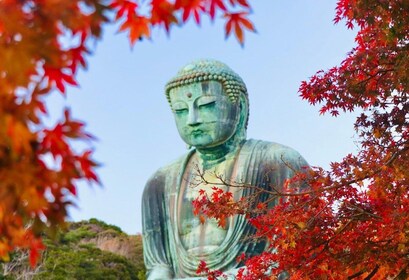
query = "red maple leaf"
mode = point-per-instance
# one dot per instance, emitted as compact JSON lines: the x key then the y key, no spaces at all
{"x":214,"y":5}
{"x":36,"y":247}
{"x":77,"y":57}
{"x":87,"y":166}
{"x":58,"y":78}
{"x":163,"y":13}
{"x":124,"y":7}
{"x":190,"y":7}
{"x":240,"y":2}
{"x":236,"y":22}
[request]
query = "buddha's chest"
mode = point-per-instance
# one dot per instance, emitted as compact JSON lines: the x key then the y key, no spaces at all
{"x":197,"y":236}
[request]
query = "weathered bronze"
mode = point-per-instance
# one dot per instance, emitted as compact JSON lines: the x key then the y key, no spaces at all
{"x":210,"y":105}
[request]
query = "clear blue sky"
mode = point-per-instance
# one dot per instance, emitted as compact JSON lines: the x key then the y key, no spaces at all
{"x":121,"y":97}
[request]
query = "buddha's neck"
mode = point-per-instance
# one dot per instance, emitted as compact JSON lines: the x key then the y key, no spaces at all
{"x":214,"y":155}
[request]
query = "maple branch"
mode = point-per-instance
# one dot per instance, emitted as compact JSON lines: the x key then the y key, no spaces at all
{"x":371,"y":76}
{"x":223,"y":182}
{"x":373,"y":272}
{"x":354,"y":181}
{"x":355,"y":275}
{"x":403,"y":274}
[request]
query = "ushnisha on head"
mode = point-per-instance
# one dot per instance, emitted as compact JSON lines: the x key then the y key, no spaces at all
{"x":209,"y":99}
{"x":209,"y":70}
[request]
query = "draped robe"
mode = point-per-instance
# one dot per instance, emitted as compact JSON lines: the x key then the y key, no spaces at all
{"x":258,"y":163}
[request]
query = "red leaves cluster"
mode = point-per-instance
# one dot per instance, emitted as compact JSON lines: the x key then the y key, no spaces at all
{"x":218,"y":205}
{"x":204,"y":270}
{"x":191,"y":8}
{"x":38,"y":166}
{"x":167,"y":13}
{"x":368,"y":227}
{"x":339,"y":227}
{"x":375,"y":68}
{"x":352,"y":221}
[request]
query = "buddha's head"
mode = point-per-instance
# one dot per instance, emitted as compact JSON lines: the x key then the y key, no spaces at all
{"x":210,"y":104}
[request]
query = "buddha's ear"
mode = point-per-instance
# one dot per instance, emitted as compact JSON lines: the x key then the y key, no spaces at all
{"x":244,"y":114}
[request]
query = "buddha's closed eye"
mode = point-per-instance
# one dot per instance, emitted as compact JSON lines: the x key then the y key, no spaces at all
{"x":208,"y":105}
{"x":180,"y":107}
{"x":206,"y":101}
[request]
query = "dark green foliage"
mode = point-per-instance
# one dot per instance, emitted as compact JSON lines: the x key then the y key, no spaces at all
{"x":77,"y":234}
{"x":74,"y":254}
{"x":86,"y":262}
{"x":105,"y":225}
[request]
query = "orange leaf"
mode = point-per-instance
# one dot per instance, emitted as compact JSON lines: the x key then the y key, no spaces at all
{"x":138,"y":27}
{"x":222,"y":221}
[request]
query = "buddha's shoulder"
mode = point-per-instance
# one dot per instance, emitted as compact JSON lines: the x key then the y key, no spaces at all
{"x":272,"y":150}
{"x":268,"y":146}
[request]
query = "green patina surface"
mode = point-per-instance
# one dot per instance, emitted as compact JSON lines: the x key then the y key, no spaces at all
{"x":210,"y":105}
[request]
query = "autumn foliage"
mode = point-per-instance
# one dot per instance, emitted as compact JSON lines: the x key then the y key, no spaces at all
{"x":349,"y":222}
{"x":165,"y":13}
{"x":43,"y":44}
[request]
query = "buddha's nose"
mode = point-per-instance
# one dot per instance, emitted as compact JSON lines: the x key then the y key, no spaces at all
{"x":193,"y":117}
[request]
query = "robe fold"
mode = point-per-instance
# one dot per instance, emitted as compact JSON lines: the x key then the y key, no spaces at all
{"x":258,"y":163}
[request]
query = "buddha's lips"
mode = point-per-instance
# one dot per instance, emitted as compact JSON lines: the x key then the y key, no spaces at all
{"x":196,"y":132}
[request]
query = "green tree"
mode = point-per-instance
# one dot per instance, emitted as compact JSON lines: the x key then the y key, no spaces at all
{"x":86,"y":250}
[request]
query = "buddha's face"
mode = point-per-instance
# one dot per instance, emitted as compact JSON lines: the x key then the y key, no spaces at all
{"x":205,"y":116}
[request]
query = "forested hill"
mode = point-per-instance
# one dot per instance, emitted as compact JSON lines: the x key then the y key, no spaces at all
{"x":86,"y":250}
